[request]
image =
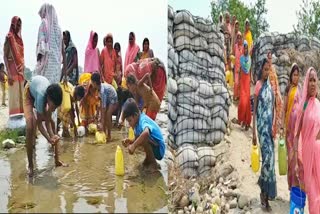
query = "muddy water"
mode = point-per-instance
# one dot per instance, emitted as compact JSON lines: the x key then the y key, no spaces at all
{"x":87,"y":185}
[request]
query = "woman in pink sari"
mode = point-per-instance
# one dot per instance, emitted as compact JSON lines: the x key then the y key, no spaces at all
{"x":119,"y":72}
{"x":292,"y":98}
{"x":307,"y":134}
{"x":92,"y":59}
{"x":132,"y":50}
{"x":238,"y":52}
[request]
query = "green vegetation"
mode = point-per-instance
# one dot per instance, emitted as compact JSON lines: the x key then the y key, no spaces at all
{"x":255,"y":13}
{"x":308,"y":19}
{"x":9,"y":134}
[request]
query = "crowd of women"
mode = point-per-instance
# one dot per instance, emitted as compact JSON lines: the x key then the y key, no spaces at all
{"x":100,"y":89}
{"x":294,"y":116}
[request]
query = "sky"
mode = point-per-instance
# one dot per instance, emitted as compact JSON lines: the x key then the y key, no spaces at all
{"x":144,"y":17}
{"x":281,"y":13}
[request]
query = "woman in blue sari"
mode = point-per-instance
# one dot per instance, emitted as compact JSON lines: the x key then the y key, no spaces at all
{"x":263,"y":115}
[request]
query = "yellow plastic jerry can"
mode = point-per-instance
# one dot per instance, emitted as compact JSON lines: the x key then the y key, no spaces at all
{"x":66,"y":100}
{"x":255,"y":158}
{"x":131,"y":134}
{"x":119,"y":163}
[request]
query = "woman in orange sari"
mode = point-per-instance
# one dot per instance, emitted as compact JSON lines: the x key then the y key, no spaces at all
{"x":244,"y":108}
{"x":108,"y":60}
{"x":238,"y":51}
{"x":307,"y":137}
{"x":276,"y":90}
{"x":90,"y":101}
{"x":14,"y":60}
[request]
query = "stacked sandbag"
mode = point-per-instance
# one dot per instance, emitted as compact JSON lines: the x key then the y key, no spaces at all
{"x":287,"y":49}
{"x":198,"y":99}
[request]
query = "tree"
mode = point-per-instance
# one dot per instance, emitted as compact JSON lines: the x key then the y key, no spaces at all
{"x":255,"y":13}
{"x":308,"y":19}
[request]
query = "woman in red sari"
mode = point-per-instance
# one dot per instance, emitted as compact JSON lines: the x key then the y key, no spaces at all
{"x":155,"y":68}
{"x":244,"y":108}
{"x":108,"y":60}
{"x":14,"y":60}
{"x":238,"y":51}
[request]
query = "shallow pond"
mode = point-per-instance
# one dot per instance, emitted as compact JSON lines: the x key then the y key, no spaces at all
{"x":87,"y":185}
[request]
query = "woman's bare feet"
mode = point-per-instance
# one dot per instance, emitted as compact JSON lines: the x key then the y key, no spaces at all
{"x":30,"y":172}
{"x":247,"y":127}
{"x":66,"y":134}
{"x":109,"y":138}
{"x":263,"y":200}
{"x":60,"y":163}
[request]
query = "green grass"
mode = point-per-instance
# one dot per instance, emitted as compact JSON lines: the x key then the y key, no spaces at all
{"x":9,"y":134}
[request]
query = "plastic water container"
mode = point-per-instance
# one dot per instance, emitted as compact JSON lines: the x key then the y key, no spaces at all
{"x":255,"y":158}
{"x":66,"y":100}
{"x":282,"y":157}
{"x":100,"y":137}
{"x":119,"y":163}
{"x":131,"y":134}
{"x":297,"y":200}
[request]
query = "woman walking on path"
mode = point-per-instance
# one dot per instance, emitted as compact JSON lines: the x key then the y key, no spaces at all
{"x":14,"y":61}
{"x":244,"y":108}
{"x":238,"y":51}
{"x":92,"y":56}
{"x":292,"y":98}
{"x":307,"y":137}
{"x":263,"y":114}
{"x":49,"y":46}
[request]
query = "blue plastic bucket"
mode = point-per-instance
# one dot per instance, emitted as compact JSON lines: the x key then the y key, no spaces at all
{"x":297,"y":200}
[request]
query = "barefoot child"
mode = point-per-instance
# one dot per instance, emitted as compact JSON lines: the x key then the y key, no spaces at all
{"x":147,"y":135}
{"x":108,"y":105}
{"x":3,"y":83}
{"x":45,"y":98}
{"x":69,"y":117}
{"x":140,"y":89}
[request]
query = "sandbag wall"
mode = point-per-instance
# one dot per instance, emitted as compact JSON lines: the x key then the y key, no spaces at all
{"x":198,"y":99}
{"x":287,"y":49}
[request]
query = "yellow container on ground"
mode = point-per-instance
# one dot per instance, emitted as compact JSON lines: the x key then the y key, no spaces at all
{"x":229,"y":78}
{"x":101,"y":137}
{"x":255,"y":158}
{"x":119,"y":162}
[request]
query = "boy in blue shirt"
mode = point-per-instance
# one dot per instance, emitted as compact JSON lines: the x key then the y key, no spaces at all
{"x":147,"y":135}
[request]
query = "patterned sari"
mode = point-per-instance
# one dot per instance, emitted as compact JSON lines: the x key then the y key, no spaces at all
{"x":14,"y":58}
{"x":267,"y":179}
{"x":290,"y":119}
{"x":71,"y":50}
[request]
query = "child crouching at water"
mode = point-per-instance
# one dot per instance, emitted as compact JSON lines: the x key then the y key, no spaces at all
{"x":147,"y":135}
{"x":45,"y":98}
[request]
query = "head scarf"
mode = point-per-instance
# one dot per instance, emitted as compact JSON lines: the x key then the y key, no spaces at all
{"x":109,"y":35}
{"x":245,"y":60}
{"x":70,"y":48}
{"x":48,"y":13}
{"x":304,"y":98}
{"x":132,"y":52}
{"x":16,"y":44}
{"x":91,"y":61}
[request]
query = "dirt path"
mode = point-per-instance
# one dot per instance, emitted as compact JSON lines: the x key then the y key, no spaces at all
{"x":240,"y":149}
